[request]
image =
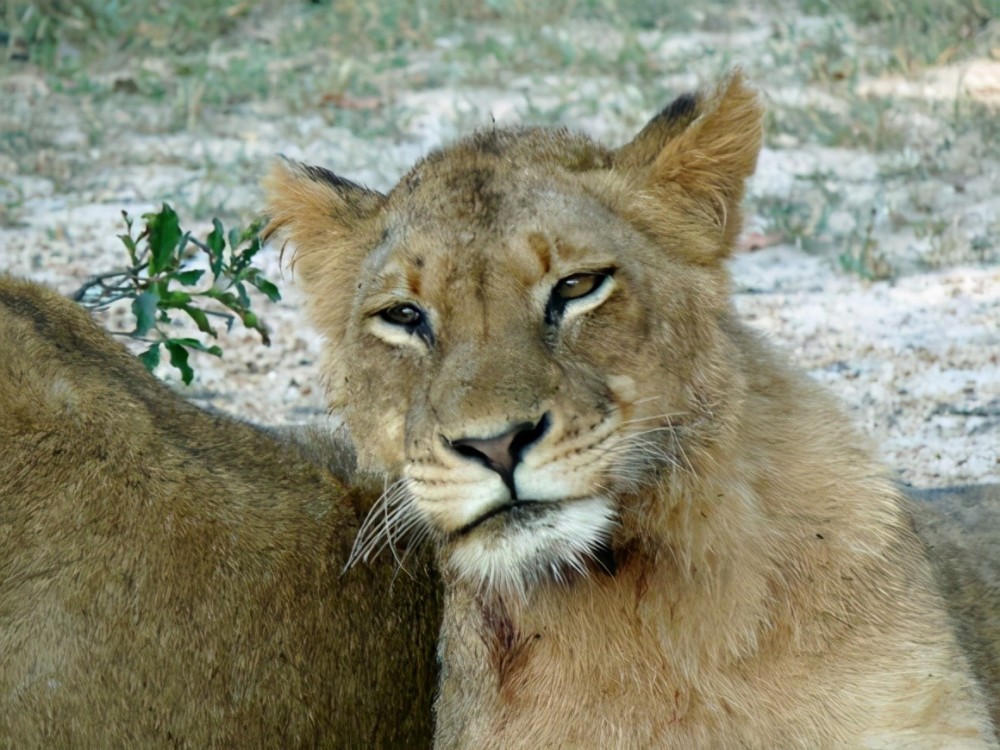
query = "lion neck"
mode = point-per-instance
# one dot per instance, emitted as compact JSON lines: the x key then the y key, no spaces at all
{"x":694,"y":559}
{"x":676,"y":607}
{"x":717,"y":573}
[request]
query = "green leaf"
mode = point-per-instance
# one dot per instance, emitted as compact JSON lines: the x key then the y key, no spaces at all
{"x":127,"y":240}
{"x":216,"y":242}
{"x":145,"y":307}
{"x":189,"y":343}
{"x":226,"y":298}
{"x":189,"y":278}
{"x":254,"y":228}
{"x":151,"y":357}
{"x":164,"y":236}
{"x":241,"y":308}
{"x":171,"y":298}
{"x":200,"y":319}
{"x":251,"y":321}
{"x":216,"y":239}
{"x":244,"y":258}
{"x":179,"y":358}
{"x":198,"y":346}
{"x":243,"y":296}
{"x":252,"y":249}
{"x":129,"y":244}
{"x":265,"y":286}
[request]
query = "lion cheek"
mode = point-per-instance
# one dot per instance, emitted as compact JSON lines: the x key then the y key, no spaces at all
{"x":379,"y":440}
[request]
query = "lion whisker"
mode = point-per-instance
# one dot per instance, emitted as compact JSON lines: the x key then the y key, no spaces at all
{"x":664,"y":415}
{"x":376,"y":531}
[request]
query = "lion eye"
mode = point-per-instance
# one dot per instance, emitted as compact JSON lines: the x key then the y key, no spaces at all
{"x":411,"y":319}
{"x":408,"y":316}
{"x":578,"y":285}
{"x":571,"y":289}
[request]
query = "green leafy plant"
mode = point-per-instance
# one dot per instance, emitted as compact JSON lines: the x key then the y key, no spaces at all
{"x":163,"y":282}
{"x":862,"y":256}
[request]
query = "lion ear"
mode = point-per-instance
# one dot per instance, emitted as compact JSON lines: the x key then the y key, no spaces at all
{"x":332,"y":225}
{"x":642,"y":150}
{"x":701,"y":147}
{"x":325,"y":218}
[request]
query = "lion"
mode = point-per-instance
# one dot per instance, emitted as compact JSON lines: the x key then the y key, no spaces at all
{"x":173,"y":578}
{"x":652,"y":531}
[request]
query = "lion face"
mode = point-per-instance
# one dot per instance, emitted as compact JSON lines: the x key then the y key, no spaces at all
{"x":522,"y":333}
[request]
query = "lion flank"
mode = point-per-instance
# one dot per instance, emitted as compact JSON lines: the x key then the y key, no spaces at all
{"x":172,"y":578}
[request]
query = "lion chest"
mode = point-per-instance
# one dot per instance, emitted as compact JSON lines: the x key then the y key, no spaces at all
{"x":513,"y":679}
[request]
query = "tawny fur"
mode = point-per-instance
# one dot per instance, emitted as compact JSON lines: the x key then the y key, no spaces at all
{"x":173,"y":578}
{"x":960,"y":527}
{"x":761,"y":585}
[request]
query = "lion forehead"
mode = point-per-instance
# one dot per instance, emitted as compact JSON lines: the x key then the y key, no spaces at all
{"x":539,"y":231}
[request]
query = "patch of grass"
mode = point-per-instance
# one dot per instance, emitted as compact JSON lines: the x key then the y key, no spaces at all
{"x":58,"y":34}
{"x":861,"y":255}
{"x":798,"y":221}
{"x":255,"y":37}
{"x":866,"y":124}
{"x":803,"y":215}
{"x":826,"y":54}
{"x":918,"y":32}
{"x":969,"y":116}
{"x":949,"y":244}
{"x":11,"y":203}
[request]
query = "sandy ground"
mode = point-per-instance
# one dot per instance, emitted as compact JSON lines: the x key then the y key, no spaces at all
{"x":915,"y":358}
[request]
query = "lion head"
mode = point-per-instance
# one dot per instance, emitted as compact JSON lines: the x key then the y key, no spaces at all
{"x":525,"y":334}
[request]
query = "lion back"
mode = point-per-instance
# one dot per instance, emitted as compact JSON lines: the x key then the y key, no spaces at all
{"x":169,"y":577}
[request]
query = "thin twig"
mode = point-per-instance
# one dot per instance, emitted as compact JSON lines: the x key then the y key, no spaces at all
{"x":106,"y":303}
{"x":137,"y":338}
{"x":199,"y":244}
{"x":97,"y":279}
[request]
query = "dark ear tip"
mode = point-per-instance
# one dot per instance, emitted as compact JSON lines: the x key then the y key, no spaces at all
{"x":322,"y":174}
{"x":686,"y":106}
{"x":316,"y":174}
{"x":681,"y":107}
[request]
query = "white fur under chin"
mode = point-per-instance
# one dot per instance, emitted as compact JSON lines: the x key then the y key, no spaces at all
{"x":545,"y":548}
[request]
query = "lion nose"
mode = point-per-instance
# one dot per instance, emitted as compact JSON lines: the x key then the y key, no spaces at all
{"x":502,"y":453}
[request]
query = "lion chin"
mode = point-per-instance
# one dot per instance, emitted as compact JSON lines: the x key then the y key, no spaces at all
{"x":653,"y":532}
{"x":519,"y":544}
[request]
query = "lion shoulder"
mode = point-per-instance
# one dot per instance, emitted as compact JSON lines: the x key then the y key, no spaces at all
{"x":173,"y":576}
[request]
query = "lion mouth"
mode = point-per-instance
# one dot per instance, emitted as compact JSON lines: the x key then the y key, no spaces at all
{"x":513,"y":510}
